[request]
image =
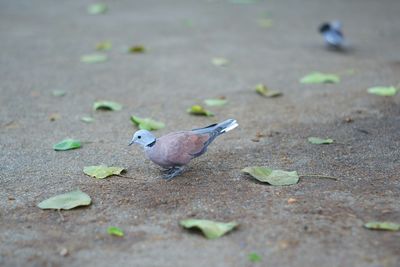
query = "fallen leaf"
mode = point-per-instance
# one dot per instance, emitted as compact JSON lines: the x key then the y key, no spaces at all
{"x":87,"y":119}
{"x":210,"y":229}
{"x":107,"y":105}
{"x":11,"y":125}
{"x":104,"y":46}
{"x":220,"y":61}
{"x":291,"y":200}
{"x":137,"y":49}
{"x":388,"y":226}
{"x":200,"y":111}
{"x":58,"y":92}
{"x":383,"y":91}
{"x":318,"y":77}
{"x":94,"y":58}
{"x":320,"y":141}
{"x":112,"y":230}
{"x":264,"y":23}
{"x":147,"y":123}
{"x":265,"y":91}
{"x":67,"y":144}
{"x":66,"y":201}
{"x":97,"y":8}
{"x":188,"y":23}
{"x":215,"y":102}
{"x":273,"y":177}
{"x":54,"y":116}
{"x":64,"y":252}
{"x":254,"y":257}
{"x":102,"y":171}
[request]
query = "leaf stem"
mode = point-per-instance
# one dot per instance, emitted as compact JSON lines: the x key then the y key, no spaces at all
{"x":318,"y":175}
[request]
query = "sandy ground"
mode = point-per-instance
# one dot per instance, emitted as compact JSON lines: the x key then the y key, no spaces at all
{"x":41,"y":45}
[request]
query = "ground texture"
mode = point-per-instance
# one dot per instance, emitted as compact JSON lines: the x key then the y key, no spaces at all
{"x":41,"y":45}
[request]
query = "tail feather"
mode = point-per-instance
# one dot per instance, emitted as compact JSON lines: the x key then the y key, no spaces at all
{"x":219,"y":128}
{"x":228,"y":127}
{"x":214,"y":131}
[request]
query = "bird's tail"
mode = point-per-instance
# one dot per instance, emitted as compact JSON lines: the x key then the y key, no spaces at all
{"x":218,"y":128}
{"x":227,"y":125}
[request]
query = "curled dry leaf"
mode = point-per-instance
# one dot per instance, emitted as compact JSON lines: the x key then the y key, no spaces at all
{"x":200,"y":111}
{"x":265,"y":91}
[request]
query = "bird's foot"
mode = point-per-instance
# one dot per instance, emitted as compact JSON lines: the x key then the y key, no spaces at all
{"x":173,"y":172}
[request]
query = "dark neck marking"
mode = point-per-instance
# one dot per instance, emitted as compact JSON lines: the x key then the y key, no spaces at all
{"x":152,"y":143}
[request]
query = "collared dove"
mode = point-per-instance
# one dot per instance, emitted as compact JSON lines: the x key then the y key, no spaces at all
{"x":332,"y":32}
{"x":174,"y":150}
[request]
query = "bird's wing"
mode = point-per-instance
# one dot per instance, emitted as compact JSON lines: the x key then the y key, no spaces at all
{"x":180,"y":147}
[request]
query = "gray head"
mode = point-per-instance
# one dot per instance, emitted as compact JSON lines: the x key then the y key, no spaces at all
{"x":143,"y":138}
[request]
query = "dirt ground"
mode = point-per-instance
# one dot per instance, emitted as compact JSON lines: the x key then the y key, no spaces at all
{"x":41,"y":45}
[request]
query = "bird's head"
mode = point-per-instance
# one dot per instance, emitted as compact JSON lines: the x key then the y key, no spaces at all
{"x":143,"y":138}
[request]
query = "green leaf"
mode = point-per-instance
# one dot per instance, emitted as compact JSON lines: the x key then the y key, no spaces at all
{"x":320,"y":141}
{"x":102,"y":171}
{"x":103,"y":46}
{"x":112,"y":230}
{"x":318,"y":77}
{"x":66,"y":201}
{"x":264,"y":23}
{"x":220,"y":61}
{"x":87,"y":119}
{"x":188,"y":23}
{"x":215,"y":102}
{"x":147,"y":123}
{"x":97,"y":8}
{"x":94,"y":58}
{"x":200,"y":111}
{"x":273,"y":177}
{"x":67,"y":144}
{"x":388,"y":226}
{"x":136,"y":49}
{"x":107,"y":105}
{"x":210,"y":229}
{"x":383,"y":91}
{"x":254,"y":257}
{"x":265,"y":91}
{"x":59,"y":92}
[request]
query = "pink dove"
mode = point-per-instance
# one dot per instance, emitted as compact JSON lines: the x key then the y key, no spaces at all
{"x":174,"y":150}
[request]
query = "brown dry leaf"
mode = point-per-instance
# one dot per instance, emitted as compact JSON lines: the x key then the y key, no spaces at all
{"x":291,"y":200}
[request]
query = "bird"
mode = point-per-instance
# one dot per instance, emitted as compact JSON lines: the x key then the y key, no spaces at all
{"x":333,"y":35}
{"x":175,"y":150}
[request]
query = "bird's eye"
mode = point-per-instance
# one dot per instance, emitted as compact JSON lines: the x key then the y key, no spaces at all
{"x":139,"y":137}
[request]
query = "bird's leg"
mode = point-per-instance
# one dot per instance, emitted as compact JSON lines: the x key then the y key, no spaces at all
{"x":173,"y":172}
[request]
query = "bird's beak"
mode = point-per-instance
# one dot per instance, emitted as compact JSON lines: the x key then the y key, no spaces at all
{"x":131,"y":142}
